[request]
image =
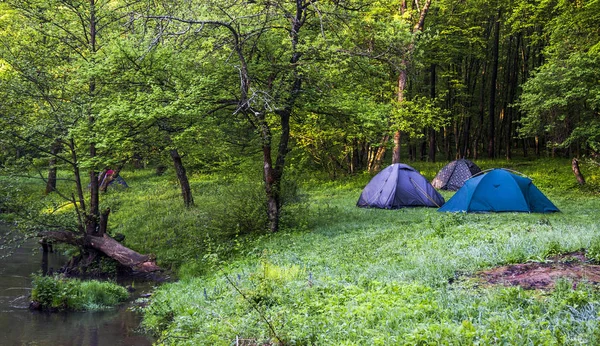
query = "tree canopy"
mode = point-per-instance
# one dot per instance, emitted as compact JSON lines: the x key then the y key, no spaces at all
{"x":209,"y":85}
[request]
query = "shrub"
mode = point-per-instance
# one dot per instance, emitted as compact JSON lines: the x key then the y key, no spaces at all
{"x":57,"y":293}
{"x":45,"y":290}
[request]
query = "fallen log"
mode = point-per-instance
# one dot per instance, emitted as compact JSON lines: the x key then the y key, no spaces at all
{"x":66,"y":237}
{"x":122,"y":254}
{"x":108,"y":246}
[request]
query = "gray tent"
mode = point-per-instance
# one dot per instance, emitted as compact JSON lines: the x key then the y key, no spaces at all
{"x":399,"y":186}
{"x":453,"y":176}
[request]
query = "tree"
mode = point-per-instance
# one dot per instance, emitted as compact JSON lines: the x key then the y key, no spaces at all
{"x":68,"y":95}
{"x":405,"y":61}
{"x":272,"y":76}
{"x":562,"y":99}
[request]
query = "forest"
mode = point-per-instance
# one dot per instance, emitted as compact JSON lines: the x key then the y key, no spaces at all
{"x":245,"y":130}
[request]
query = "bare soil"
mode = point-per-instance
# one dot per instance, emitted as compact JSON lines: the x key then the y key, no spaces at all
{"x":542,"y":275}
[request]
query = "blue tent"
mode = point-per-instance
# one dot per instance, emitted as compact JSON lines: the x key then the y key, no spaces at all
{"x":399,"y":186}
{"x":499,"y":191}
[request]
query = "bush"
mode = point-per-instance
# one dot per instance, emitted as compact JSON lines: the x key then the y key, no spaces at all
{"x":57,"y":293}
{"x":45,"y":291}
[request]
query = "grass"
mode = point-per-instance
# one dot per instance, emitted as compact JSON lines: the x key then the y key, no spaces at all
{"x":337,"y":274}
{"x":56,"y":293}
{"x":354,"y":276}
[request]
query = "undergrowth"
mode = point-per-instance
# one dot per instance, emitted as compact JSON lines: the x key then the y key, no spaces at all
{"x":57,"y":293}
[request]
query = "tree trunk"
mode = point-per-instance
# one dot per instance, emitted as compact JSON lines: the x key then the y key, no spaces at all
{"x":93,"y":216}
{"x":466,"y":137}
{"x":186,"y":191}
{"x":125,"y":256}
{"x":457,"y":135}
{"x":514,"y":81}
{"x":431,"y":152}
{"x":412,"y":149}
{"x":377,"y":161}
{"x":577,"y":172}
{"x":525,"y":54}
{"x":397,"y":145}
{"x":402,"y":78}
{"x":492,"y":100}
{"x":77,"y":175}
{"x":103,"y":243}
{"x":423,"y":153}
{"x":273,"y":175}
{"x":103,"y":222}
{"x":51,"y":182}
{"x":355,"y":158}
{"x":447,"y":150}
{"x":432,"y":91}
{"x":480,"y":127}
{"x":271,"y":181}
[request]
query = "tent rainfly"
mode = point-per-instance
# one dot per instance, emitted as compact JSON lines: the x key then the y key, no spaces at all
{"x":499,"y":191}
{"x":399,"y":186}
{"x":453,"y":175}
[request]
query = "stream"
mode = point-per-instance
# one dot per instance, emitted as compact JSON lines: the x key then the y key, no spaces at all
{"x":20,"y":326}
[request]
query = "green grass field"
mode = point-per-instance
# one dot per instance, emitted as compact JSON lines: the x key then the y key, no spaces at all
{"x":340,"y":275}
{"x":349,"y":276}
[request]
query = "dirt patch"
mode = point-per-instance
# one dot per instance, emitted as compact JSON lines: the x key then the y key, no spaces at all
{"x":542,"y":275}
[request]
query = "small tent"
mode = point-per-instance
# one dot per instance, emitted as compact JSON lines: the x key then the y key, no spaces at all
{"x":119,"y":181}
{"x":499,"y":191}
{"x":399,"y":186}
{"x":453,"y":175}
{"x":107,"y":178}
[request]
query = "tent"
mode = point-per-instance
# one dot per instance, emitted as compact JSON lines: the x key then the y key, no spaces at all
{"x":499,"y":191}
{"x":399,"y":186}
{"x":108,"y":179}
{"x":453,"y":175}
{"x":119,"y":181}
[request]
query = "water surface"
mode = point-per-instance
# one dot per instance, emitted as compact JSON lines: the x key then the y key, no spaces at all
{"x":19,"y":326}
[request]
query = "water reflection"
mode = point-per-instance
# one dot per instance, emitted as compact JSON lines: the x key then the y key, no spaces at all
{"x":19,"y":326}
